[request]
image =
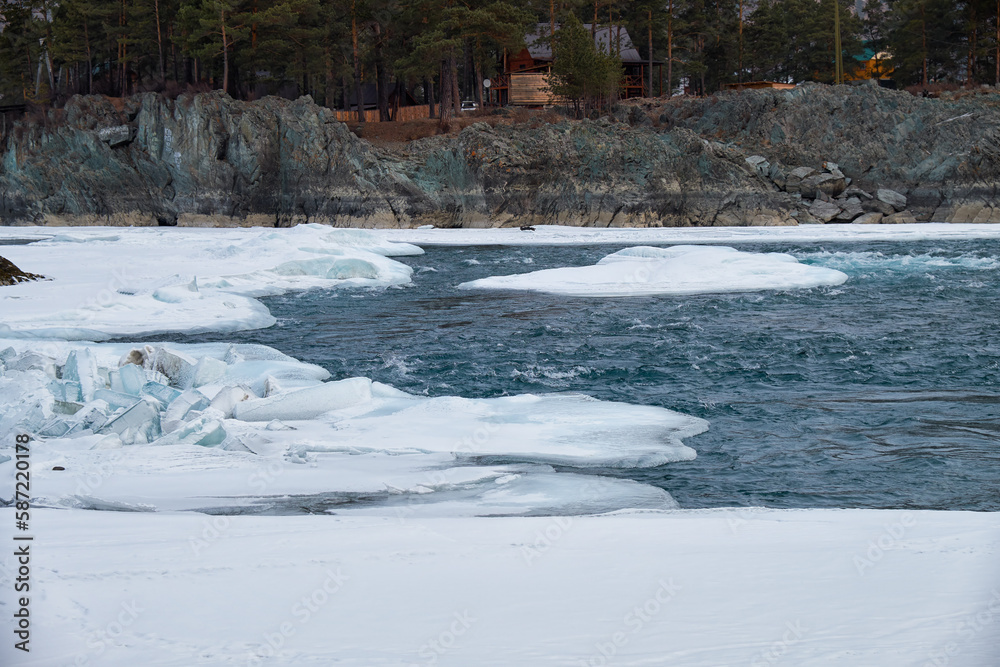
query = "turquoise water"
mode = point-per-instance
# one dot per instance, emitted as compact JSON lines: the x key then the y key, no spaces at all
{"x":883,"y":392}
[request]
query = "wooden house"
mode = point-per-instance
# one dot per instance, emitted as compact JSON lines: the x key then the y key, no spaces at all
{"x":524,"y":81}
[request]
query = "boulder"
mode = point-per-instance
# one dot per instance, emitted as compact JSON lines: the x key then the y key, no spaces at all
{"x":824,"y":211}
{"x":828,"y":184}
{"x":869,"y":219}
{"x":892,"y":198}
{"x":855,"y":191}
{"x":796,"y":176}
{"x":851,"y":210}
{"x":903,"y":217}
{"x":877,"y":206}
{"x":759,"y":164}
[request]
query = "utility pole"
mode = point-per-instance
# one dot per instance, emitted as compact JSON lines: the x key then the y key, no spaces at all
{"x":838,"y":77}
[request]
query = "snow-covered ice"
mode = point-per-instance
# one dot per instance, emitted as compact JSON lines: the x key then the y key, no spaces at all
{"x":694,"y":588}
{"x":170,"y":435}
{"x":561,"y":235}
{"x":681,"y":269}
{"x":121,"y":282}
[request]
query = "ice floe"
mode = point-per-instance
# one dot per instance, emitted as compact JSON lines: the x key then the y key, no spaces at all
{"x":220,"y":427}
{"x":140,"y":281}
{"x":682,"y":269}
{"x":562,"y":235}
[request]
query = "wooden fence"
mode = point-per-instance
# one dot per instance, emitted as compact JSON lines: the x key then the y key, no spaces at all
{"x":531,"y":90}
{"x":400,"y":114}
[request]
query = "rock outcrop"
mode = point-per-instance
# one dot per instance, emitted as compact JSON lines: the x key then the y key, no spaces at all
{"x":11,"y":275}
{"x":815,"y":154}
{"x":927,"y":158}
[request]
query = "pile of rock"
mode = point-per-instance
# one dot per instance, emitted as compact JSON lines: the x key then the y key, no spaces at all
{"x":829,"y":197}
{"x":11,"y":275}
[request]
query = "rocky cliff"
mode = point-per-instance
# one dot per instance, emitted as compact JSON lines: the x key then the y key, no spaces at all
{"x":813,"y":154}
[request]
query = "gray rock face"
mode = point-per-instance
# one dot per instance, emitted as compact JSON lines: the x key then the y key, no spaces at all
{"x":892,"y":198}
{"x":115,"y":136}
{"x":738,"y":158}
{"x":207,"y":159}
{"x":948,"y":150}
{"x":824,"y":211}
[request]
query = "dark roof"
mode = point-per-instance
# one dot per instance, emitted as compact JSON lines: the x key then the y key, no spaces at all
{"x":543,"y":51}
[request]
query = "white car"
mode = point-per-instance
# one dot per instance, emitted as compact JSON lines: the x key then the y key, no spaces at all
{"x":469,"y":105}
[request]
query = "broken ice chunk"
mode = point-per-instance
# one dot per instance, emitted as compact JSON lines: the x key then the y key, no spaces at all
{"x":81,"y":367}
{"x":207,"y":370}
{"x":179,"y":408}
{"x":116,"y":399}
{"x":203,"y":431}
{"x":132,"y":379}
{"x":55,"y":428}
{"x":255,"y":373}
{"x":161,"y":392}
{"x":228,"y":398}
{"x":27,"y":361}
{"x":66,"y":391}
{"x":306,"y":403}
{"x":137,"y":425}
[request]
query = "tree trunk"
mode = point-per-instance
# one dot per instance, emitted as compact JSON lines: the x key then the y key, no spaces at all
{"x":381,"y":77}
{"x":479,"y":84}
{"x":923,"y":30}
{"x":429,"y":95}
{"x":670,"y":48}
{"x":225,"y":52}
{"x":649,"y":26}
{"x":357,"y":64}
{"x":446,"y":104}
{"x":159,"y":40}
{"x":456,"y":97}
{"x":739,"y":71}
{"x":90,"y":59}
{"x":329,"y":86}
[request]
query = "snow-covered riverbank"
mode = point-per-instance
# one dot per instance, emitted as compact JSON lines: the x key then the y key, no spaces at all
{"x":445,"y":530}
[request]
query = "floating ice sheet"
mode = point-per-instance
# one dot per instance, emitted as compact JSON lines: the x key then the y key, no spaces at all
{"x":209,"y":427}
{"x":645,"y":270}
{"x":145,"y":280}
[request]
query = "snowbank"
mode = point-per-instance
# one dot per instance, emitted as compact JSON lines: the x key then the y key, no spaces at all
{"x":121,"y":282}
{"x":683,"y":269}
{"x":692,"y":588}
